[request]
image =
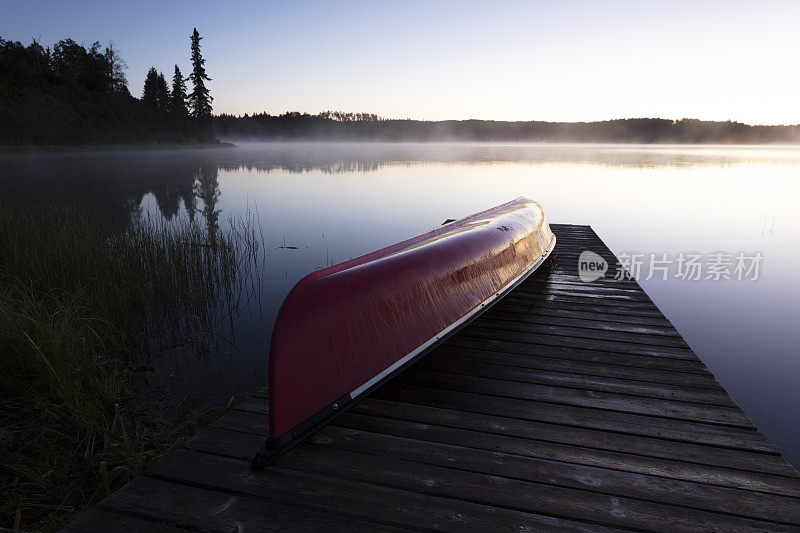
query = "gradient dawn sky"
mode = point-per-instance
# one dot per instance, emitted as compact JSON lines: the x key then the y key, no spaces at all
{"x":549,"y":60}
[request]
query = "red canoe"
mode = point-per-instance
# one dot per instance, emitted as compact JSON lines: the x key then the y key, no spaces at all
{"x":344,"y":329}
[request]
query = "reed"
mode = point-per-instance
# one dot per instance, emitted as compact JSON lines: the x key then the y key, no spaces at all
{"x":85,"y":300}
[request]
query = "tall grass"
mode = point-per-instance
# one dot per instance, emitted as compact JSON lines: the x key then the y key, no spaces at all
{"x":83,"y":301}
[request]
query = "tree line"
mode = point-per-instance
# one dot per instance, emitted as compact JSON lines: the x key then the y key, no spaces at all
{"x":73,"y":94}
{"x":331,"y":125}
{"x":176,"y":101}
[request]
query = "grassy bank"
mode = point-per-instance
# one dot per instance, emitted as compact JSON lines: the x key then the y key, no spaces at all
{"x":83,"y":302}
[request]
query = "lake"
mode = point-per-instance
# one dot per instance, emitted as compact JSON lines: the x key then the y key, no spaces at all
{"x":318,"y":204}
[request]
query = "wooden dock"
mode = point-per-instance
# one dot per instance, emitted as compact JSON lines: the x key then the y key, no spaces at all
{"x":568,"y":406}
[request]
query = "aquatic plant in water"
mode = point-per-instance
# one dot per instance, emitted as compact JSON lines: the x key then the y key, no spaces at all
{"x":85,"y":301}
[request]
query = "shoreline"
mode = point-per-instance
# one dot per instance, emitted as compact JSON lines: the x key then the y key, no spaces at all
{"x":242,"y":141}
{"x":60,"y":148}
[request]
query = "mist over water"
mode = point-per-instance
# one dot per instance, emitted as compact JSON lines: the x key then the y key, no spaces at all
{"x":321,"y":203}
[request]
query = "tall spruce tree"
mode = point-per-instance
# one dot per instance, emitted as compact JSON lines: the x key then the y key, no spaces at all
{"x":150,"y":91}
{"x":156,"y":92}
{"x":199,"y":99}
{"x":162,"y":93}
{"x":177,"y":100}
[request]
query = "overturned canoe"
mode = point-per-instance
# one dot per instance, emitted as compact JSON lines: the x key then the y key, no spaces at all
{"x":344,"y":329}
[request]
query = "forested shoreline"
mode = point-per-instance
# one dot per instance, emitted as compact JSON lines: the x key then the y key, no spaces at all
{"x":74,"y":95}
{"x":332,"y":125}
{"x":78,"y":95}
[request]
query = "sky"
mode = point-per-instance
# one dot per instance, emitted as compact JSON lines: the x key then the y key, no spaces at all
{"x":501,"y":60}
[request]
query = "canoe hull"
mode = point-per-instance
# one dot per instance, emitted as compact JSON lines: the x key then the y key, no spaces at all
{"x":344,"y":329}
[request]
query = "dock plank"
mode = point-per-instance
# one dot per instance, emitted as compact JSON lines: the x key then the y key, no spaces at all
{"x":568,"y":406}
{"x":578,"y":416}
{"x":686,"y":366}
{"x":668,"y":409}
{"x":570,"y":366}
{"x":578,"y":381}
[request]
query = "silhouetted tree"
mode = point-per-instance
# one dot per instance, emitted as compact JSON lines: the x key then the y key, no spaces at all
{"x":155,"y":93}
{"x":199,"y":99}
{"x":162,"y":92}
{"x":177,"y":100}
{"x":150,"y":91}
{"x":119,"y":83}
{"x":77,"y":94}
{"x":90,"y":68}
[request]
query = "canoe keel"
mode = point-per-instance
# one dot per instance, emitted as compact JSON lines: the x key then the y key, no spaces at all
{"x":345,"y":329}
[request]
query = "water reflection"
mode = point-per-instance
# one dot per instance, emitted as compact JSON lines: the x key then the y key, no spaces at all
{"x":206,"y":188}
{"x":119,"y":180}
{"x":329,"y":202}
{"x":115,"y":182}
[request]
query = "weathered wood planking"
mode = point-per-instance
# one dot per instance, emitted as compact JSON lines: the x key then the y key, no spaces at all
{"x":568,"y":406}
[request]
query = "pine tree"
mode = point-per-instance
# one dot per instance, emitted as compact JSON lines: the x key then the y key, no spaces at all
{"x":156,"y":93}
{"x":150,"y":92}
{"x":199,"y":99}
{"x":177,"y":101}
{"x":162,"y":93}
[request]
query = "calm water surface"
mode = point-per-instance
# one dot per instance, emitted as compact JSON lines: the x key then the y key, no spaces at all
{"x":323,"y":203}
